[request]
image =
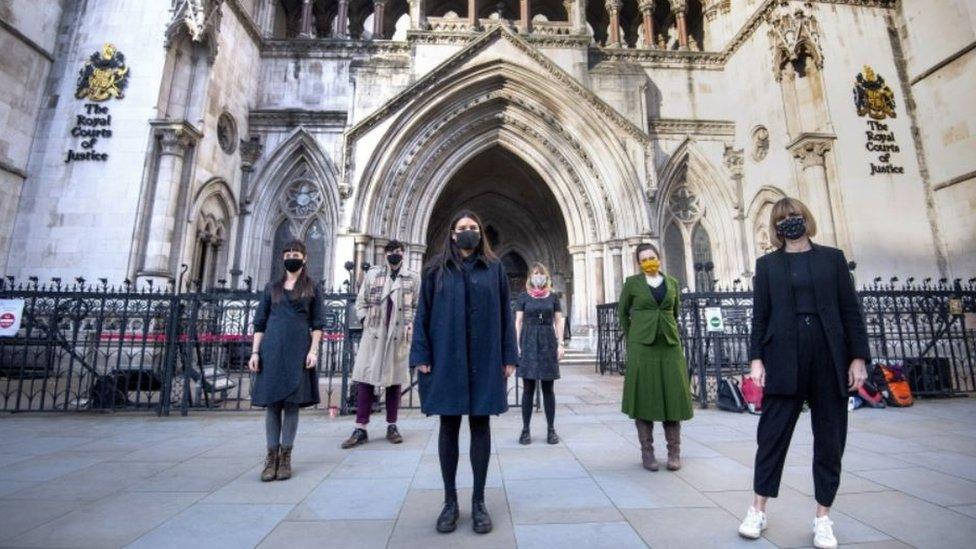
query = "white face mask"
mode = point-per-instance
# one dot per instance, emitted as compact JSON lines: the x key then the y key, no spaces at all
{"x":539,"y":280}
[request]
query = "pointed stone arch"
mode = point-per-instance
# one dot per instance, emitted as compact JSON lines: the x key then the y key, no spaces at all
{"x":499,"y":103}
{"x":695,"y":193}
{"x":211,"y":219}
{"x":298,"y":185}
{"x":757,"y":215}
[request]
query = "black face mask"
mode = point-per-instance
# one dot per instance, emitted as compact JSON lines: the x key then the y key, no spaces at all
{"x":468,"y":240}
{"x":394,"y":259}
{"x":791,"y":228}
{"x":294,"y":265}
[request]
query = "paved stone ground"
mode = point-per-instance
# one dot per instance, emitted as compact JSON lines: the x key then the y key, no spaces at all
{"x":140,"y":481}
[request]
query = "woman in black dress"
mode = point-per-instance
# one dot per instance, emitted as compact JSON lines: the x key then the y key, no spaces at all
{"x":287,"y":329}
{"x":539,"y":325}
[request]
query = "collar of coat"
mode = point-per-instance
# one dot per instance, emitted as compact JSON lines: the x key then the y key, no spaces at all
{"x":480,"y":258}
{"x":813,"y":247}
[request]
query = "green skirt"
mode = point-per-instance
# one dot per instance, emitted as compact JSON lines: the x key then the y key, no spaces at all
{"x":656,"y":382}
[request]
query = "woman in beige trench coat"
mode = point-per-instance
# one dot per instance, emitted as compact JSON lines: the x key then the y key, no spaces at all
{"x":385,"y":306}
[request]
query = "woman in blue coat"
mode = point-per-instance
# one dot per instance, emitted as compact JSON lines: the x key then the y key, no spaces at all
{"x":464,"y":351}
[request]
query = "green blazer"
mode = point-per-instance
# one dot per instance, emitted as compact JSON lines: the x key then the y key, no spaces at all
{"x":642,"y":318}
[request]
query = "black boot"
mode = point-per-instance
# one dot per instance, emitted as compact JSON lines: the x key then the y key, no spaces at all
{"x":357,"y":437}
{"x":552,"y":438}
{"x":480,"y":519}
{"x":525,"y":437}
{"x":448,"y":519}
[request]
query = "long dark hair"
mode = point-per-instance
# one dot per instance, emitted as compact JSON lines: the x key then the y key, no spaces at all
{"x":451,"y":251}
{"x":304,"y":286}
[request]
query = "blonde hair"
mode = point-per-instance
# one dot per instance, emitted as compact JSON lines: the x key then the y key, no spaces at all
{"x":538,"y":267}
{"x":783,"y":208}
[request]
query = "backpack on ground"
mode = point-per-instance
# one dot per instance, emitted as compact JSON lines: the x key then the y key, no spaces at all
{"x":730,"y":396}
{"x":752,"y":394}
{"x":899,"y":392}
{"x":870,"y":395}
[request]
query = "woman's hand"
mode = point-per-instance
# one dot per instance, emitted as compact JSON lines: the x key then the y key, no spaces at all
{"x":757,"y":372}
{"x":253,"y":364}
{"x":311,"y":359}
{"x":509,"y":370}
{"x":561,"y":353}
{"x":857,"y":374}
{"x":424,"y":368}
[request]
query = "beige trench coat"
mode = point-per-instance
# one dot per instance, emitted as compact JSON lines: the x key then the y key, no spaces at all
{"x":383,"y":356}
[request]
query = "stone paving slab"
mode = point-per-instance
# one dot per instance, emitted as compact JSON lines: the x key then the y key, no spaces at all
{"x":132,"y":479}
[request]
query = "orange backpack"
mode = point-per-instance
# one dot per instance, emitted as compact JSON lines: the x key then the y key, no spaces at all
{"x":899,"y":391}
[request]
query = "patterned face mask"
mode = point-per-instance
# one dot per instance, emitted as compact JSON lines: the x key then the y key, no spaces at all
{"x":651,"y":266}
{"x":792,"y":227}
{"x":539,"y":280}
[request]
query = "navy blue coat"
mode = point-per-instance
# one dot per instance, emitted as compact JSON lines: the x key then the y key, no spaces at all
{"x":464,"y":331}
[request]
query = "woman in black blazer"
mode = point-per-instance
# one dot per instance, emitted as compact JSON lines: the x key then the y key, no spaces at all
{"x":808,"y":344}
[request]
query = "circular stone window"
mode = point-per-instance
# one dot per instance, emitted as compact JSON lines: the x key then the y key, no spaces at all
{"x":227,"y":133}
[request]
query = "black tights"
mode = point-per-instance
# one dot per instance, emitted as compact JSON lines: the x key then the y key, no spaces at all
{"x":548,"y":401}
{"x":447,"y":446}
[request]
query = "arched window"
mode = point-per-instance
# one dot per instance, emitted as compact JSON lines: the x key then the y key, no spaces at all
{"x":685,"y":237}
{"x":674,"y":254}
{"x":701,"y":250}
{"x":283,"y":235}
{"x":516,"y":268}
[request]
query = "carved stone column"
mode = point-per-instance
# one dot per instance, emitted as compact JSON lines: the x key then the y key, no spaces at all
{"x":359,"y":257}
{"x":598,"y":284}
{"x":174,"y":144}
{"x":305,"y":29}
{"x":617,"y":266}
{"x":418,"y":14}
{"x":379,"y":9}
{"x":581,"y":301}
{"x":251,"y":150}
{"x":679,"y":8}
{"x":525,"y":17}
{"x":810,"y":150}
{"x":577,"y":14}
{"x":342,"y":20}
{"x":613,"y":8}
{"x":473,"y":13}
{"x":647,"y":11}
{"x":734,"y":161}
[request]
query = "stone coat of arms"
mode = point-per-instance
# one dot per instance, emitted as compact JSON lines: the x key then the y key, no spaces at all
{"x":104,"y":76}
{"x":872,"y":96}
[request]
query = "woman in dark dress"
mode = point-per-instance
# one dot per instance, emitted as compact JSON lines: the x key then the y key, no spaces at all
{"x":808,"y":344}
{"x":539,"y":327}
{"x":464,"y":350}
{"x":287,"y":329}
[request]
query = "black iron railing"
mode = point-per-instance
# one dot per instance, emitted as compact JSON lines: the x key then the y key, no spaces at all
{"x":930,"y":328}
{"x":84,"y":347}
{"x":96,"y":347}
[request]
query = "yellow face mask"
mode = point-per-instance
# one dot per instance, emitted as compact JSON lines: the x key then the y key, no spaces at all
{"x":651,"y":266}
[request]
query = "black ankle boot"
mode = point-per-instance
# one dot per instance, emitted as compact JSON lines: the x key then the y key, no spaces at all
{"x":480,"y":519}
{"x":448,"y":519}
{"x":525,"y":437}
{"x":552,"y":438}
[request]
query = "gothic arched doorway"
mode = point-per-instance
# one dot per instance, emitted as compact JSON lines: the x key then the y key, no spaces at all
{"x":522,"y":218}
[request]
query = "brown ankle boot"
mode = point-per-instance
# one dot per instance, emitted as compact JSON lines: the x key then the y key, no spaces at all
{"x":270,"y":465}
{"x":284,"y":463}
{"x":645,"y":434}
{"x":672,"y":432}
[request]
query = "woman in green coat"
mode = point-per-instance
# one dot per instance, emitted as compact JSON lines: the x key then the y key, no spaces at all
{"x":656,"y":383}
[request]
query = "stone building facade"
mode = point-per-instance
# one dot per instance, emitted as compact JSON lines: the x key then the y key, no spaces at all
{"x":576,"y":128}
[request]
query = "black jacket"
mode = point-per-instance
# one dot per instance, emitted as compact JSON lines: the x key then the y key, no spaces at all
{"x":774,"y":337}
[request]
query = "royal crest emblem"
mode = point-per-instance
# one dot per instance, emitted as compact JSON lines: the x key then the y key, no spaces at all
{"x":872,"y":96}
{"x":104,"y":76}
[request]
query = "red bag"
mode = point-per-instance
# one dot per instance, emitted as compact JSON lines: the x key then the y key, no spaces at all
{"x":871,"y":396}
{"x":753,"y":395}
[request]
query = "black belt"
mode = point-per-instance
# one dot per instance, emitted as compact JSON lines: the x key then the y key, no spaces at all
{"x":540,"y":321}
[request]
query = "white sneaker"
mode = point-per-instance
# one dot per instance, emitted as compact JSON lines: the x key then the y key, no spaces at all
{"x":823,"y":533}
{"x":753,"y":525}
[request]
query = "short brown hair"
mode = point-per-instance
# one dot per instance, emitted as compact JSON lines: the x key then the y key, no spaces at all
{"x":643,"y":246}
{"x":783,"y":208}
{"x":538,"y":267}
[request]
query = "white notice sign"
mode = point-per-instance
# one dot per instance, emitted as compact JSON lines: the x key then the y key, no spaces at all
{"x":11,"y":311}
{"x":713,"y":319}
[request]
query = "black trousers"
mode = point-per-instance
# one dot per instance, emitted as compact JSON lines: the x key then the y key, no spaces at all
{"x":816,"y":384}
